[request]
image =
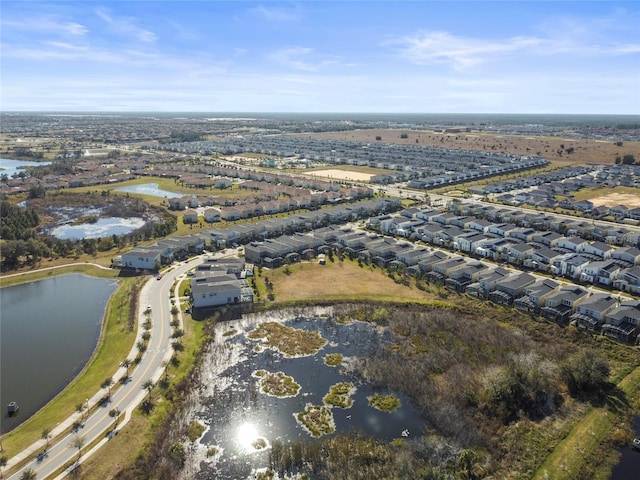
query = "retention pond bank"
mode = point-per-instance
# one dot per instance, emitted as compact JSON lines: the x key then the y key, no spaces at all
{"x":50,"y":329}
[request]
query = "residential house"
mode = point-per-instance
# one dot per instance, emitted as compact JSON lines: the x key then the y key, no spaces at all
{"x":426,"y":263}
{"x":599,"y":249}
{"x":518,"y":253}
{"x":548,"y":239}
{"x":629,"y":255}
{"x":190,"y":216}
{"x":536,"y":294}
{"x":542,"y":259}
{"x":590,"y":314}
{"x":215,"y":289}
{"x":622,"y":322}
{"x":460,"y":278}
{"x":510,"y":288}
{"x":487,"y":281}
{"x":569,"y":265}
{"x":212,"y":215}
{"x":602,"y":272}
{"x":560,"y":305}
{"x":628,"y":280}
{"x":440,"y":271}
{"x":145,"y":258}
{"x":469,"y":242}
{"x":575,"y":244}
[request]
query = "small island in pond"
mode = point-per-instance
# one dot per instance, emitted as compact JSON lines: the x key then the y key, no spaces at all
{"x":340,"y":395}
{"x":291,"y":342}
{"x":333,"y":359}
{"x":317,"y":420}
{"x":384,"y":403}
{"x":277,"y":384}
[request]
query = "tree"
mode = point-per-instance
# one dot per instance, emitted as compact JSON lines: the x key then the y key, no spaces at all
{"x":148,"y":386}
{"x":585,"y":371}
{"x":46,"y":435}
{"x":79,"y":444}
{"x":126,"y":363}
{"x":115,"y":413}
{"x":108,"y":383}
{"x":80,"y":410}
{"x":628,"y":159}
{"x":28,"y":474}
{"x":3,"y":463}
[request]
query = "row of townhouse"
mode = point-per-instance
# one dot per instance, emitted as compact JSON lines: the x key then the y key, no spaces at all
{"x":274,"y":227}
{"x":613,"y":234}
{"x":161,"y":253}
{"x":176,"y":248}
{"x":599,"y":312}
{"x":270,"y":207}
{"x":573,"y":257}
{"x":525,"y":291}
{"x":426,"y":166}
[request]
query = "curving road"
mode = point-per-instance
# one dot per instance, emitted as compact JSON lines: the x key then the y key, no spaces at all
{"x":62,"y":455}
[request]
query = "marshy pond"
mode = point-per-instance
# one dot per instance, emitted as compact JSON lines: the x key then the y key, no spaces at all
{"x":288,"y":377}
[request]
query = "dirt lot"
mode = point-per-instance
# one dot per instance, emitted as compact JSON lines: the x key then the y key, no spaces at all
{"x":342,"y":174}
{"x":551,"y":148}
{"x":629,"y":200}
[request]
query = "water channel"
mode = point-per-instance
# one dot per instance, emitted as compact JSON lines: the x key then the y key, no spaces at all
{"x":50,"y":329}
{"x":238,"y":414}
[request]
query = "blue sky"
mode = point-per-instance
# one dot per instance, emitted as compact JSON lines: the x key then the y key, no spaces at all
{"x":321,"y":56}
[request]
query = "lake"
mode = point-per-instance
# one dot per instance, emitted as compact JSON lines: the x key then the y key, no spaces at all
{"x":238,"y":414}
{"x":50,"y":329}
{"x":148,"y":189}
{"x":10,"y":167}
{"x":103,"y":227}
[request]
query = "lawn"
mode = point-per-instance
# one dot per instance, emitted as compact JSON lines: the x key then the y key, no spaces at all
{"x":338,"y":281}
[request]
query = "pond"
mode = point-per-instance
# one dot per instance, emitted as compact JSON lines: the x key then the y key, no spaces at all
{"x":148,"y":189}
{"x":10,"y":167}
{"x":242,"y":420}
{"x":629,"y":464}
{"x":50,"y":329}
{"x":103,"y":227}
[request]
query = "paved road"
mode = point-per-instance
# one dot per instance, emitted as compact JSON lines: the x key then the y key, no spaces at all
{"x":127,"y":397}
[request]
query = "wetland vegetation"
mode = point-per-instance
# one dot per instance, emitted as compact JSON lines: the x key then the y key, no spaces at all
{"x":385,"y":403}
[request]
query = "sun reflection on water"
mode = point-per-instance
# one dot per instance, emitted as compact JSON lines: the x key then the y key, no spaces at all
{"x":249,"y":438}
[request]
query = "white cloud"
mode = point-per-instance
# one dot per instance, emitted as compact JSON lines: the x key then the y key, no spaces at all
{"x":291,"y":58}
{"x":303,"y":59}
{"x":46,"y":24}
{"x":273,"y":14}
{"x":456,"y":51}
{"x":126,"y":26}
{"x":460,"y":52}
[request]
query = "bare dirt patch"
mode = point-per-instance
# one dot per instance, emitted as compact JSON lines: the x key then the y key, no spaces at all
{"x":342,"y":174}
{"x":629,"y":200}
{"x":551,"y":148}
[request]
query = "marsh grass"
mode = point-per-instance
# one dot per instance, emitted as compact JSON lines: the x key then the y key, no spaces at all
{"x":290,"y":341}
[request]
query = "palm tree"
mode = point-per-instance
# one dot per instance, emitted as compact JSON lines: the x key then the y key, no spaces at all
{"x":148,"y":386}
{"x":28,"y":474}
{"x":78,"y":443}
{"x":108,"y":383}
{"x":46,"y":435}
{"x":126,"y":363}
{"x":80,"y":410}
{"x":115,"y":413}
